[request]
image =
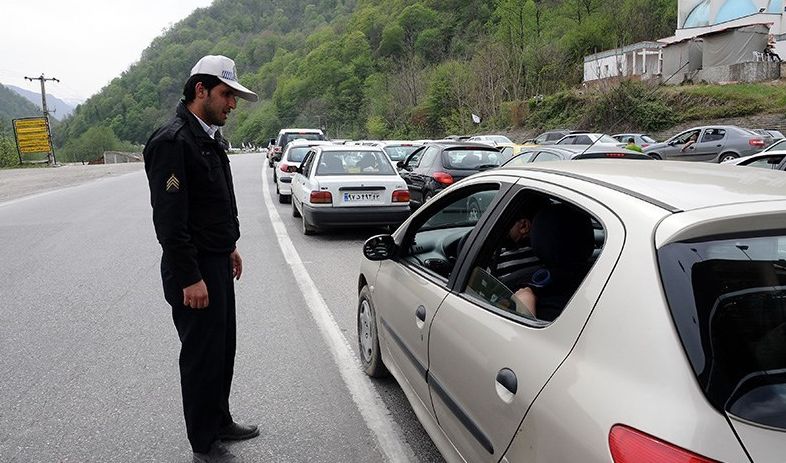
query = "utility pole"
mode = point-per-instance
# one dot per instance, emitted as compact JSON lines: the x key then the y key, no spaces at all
{"x":42,"y":79}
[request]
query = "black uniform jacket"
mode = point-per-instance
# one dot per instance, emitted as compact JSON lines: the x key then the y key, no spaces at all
{"x":191,"y":191}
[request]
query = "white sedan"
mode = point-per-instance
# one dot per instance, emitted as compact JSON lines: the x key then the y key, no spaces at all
{"x":284,"y":170}
{"x":340,"y":186}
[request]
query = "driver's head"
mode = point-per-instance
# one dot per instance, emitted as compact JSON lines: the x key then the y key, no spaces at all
{"x":529,"y":205}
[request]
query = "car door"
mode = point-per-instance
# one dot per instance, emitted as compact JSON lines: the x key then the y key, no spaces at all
{"x":410,"y":288}
{"x":300,"y":178}
{"x":710,"y":144}
{"x":420,"y":175}
{"x":487,"y":363}
{"x":407,"y":166}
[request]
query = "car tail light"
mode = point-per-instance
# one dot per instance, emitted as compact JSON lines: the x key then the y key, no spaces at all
{"x":615,"y":155}
{"x":321,"y":197}
{"x":443,"y":178}
{"x":756,"y":142}
{"x":283,"y":167}
{"x":401,"y":196}
{"x":629,"y":445}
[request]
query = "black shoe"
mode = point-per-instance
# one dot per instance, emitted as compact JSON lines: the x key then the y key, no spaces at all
{"x":237,"y":431}
{"x":217,"y":454}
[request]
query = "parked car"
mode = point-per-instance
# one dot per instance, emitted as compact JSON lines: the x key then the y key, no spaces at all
{"x":709,"y":143}
{"x":492,"y":140}
{"x":398,"y":150}
{"x":775,"y":134}
{"x":776,"y":145}
{"x":278,"y":145}
{"x":550,"y":137}
{"x":668,"y":346}
{"x":764,"y":159}
{"x":570,"y":152}
{"x":641,"y":139}
{"x":285,"y":169}
{"x":587,"y":139}
{"x":435,"y":166}
{"x":340,"y":186}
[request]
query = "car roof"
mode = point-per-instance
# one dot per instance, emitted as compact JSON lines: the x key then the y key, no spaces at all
{"x":333,"y":147}
{"x":300,"y":143}
{"x":674,"y":185}
{"x":300,"y":131}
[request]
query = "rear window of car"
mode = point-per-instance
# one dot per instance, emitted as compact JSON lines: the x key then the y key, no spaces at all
{"x":727,"y":297}
{"x":471,"y":158}
{"x":399,"y":153}
{"x":297,"y":154}
{"x":354,"y":163}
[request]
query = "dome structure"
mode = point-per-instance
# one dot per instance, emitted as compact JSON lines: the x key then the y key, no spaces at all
{"x":775,"y":6}
{"x":734,"y":9}
{"x":699,"y":15}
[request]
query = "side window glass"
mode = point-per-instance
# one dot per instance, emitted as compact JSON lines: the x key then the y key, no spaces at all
{"x":536,"y":257}
{"x":436,"y":241}
{"x":428,"y":157}
{"x":521,"y":159}
{"x":713,"y":135}
{"x":546,"y":156}
{"x":414,"y":158}
{"x":308,"y":162}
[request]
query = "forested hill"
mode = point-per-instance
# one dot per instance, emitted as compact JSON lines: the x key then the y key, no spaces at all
{"x":13,"y":106}
{"x":372,"y":68}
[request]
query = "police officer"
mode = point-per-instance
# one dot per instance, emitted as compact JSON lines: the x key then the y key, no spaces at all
{"x":195,"y":218}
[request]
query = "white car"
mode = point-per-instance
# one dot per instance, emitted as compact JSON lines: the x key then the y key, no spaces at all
{"x":340,"y":186}
{"x":646,"y":324}
{"x":767,"y":159}
{"x":492,"y":140}
{"x":284,"y":170}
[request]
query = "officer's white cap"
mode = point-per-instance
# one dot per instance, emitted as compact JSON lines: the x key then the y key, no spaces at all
{"x":223,"y":68}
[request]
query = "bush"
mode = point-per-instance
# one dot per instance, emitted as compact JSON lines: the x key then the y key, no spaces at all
{"x":629,"y":105}
{"x":9,"y":157}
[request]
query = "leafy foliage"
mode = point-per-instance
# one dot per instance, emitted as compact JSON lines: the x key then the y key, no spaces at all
{"x":403,"y":68}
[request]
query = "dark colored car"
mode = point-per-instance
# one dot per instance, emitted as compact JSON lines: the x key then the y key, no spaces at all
{"x":434,"y":167}
{"x":570,"y":152}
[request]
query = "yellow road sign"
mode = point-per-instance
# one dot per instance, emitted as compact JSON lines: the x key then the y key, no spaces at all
{"x":32,"y":135}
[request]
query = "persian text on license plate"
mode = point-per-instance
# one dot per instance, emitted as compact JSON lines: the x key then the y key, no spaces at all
{"x":360,"y":197}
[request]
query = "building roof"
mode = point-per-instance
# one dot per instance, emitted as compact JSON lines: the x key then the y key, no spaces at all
{"x":649,"y":45}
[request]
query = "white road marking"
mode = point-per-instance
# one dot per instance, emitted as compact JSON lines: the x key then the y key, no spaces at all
{"x":369,"y":403}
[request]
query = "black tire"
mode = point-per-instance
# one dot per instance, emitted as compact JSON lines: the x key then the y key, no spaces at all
{"x":368,"y":337}
{"x":295,"y":212}
{"x":655,"y":156}
{"x":727,"y":157}
{"x":307,"y":228}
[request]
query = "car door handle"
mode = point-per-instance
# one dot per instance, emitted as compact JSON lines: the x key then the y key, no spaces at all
{"x":421,"y":313}
{"x":507,"y":379}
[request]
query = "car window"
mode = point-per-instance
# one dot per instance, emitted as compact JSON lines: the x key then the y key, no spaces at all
{"x":296,"y":154}
{"x":436,"y":239}
{"x":414,"y":159}
{"x":554,"y":136}
{"x":470,"y":158}
{"x":546,"y":156}
{"x":308,"y":160}
{"x":648,"y":139}
{"x":778,"y":145}
{"x":522,"y":159}
{"x":427,"y":160}
{"x":766,"y":162}
{"x":354,"y":163}
{"x":605,"y":139}
{"x":535,"y":258}
{"x":399,"y":153}
{"x":727,"y":297}
{"x":711,"y":135}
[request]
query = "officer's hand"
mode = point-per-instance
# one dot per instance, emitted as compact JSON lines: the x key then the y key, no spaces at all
{"x":237,"y":264}
{"x":195,"y":296}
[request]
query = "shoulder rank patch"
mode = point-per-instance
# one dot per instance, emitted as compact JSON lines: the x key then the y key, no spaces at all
{"x":173,"y":184}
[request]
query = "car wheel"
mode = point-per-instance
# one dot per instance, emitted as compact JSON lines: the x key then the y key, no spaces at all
{"x":368,"y":339}
{"x":307,"y":228}
{"x":295,"y":212}
{"x":655,"y":156}
{"x":726,"y":157}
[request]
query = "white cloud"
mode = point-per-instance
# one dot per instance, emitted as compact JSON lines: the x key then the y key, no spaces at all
{"x":84,"y":43}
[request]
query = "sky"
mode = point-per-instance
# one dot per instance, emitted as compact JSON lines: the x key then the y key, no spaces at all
{"x":83,"y":43}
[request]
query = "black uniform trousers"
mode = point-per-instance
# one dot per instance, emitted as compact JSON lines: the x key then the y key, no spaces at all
{"x":207,"y":354}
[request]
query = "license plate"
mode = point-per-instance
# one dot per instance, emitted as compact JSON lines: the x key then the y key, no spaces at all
{"x":361,"y":197}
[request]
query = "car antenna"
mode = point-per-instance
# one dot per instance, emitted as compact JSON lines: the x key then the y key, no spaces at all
{"x":624,"y":116}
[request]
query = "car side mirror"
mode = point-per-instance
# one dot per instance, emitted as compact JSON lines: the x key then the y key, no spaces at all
{"x":379,"y":247}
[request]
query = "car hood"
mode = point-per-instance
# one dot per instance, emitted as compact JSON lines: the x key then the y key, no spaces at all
{"x":656,"y":146}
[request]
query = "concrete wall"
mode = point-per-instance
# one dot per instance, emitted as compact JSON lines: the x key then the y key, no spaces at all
{"x":117,"y":157}
{"x":757,"y":71}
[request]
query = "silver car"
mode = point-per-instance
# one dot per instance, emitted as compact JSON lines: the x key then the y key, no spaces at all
{"x":715,"y":143}
{"x":656,"y":330}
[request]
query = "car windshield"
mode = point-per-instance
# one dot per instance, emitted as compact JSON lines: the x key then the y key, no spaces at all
{"x":296,"y":154}
{"x":471,"y":158}
{"x":305,"y":136}
{"x":354,"y":163}
{"x":728,"y":300}
{"x":399,"y":153}
{"x":648,"y":139}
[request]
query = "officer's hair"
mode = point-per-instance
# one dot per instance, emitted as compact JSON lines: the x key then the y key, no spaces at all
{"x":189,"y":90}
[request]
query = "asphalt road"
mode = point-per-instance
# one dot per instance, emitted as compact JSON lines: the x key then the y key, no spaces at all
{"x":88,"y":351}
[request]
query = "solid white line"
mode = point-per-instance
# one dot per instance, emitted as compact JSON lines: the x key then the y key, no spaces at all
{"x":369,"y":403}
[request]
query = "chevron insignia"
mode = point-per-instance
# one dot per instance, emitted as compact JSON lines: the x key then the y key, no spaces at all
{"x":173,"y":184}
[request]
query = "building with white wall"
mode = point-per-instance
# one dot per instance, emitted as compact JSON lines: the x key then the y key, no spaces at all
{"x":639,"y":59}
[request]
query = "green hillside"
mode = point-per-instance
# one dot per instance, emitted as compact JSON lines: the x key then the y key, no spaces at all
{"x":371,"y":68}
{"x":13,"y":106}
